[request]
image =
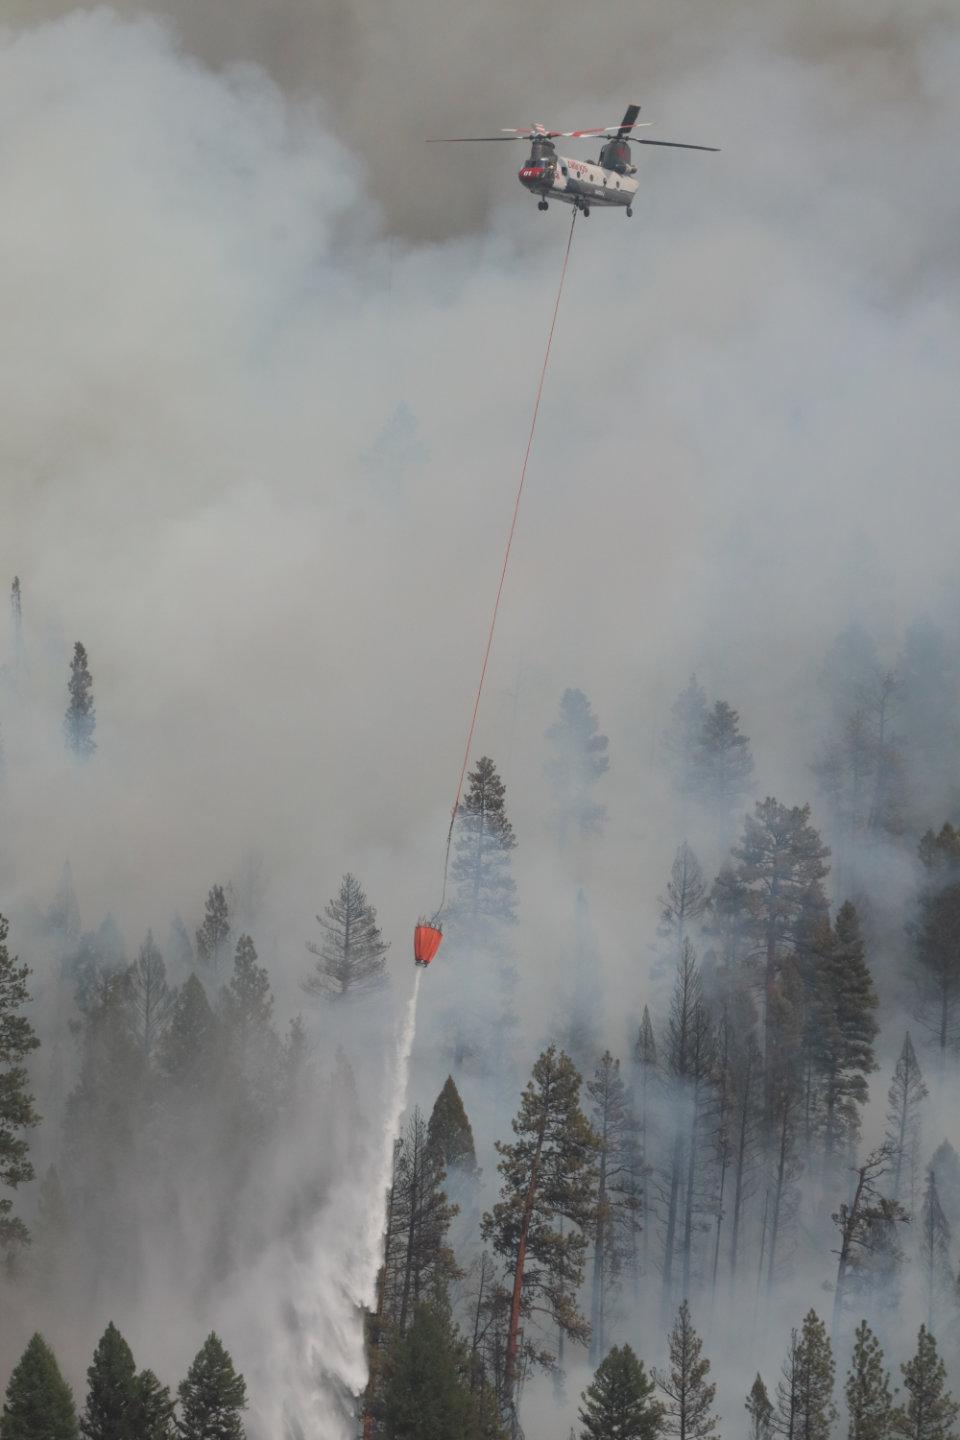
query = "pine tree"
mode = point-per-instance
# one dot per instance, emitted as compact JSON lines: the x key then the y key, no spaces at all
{"x":780,"y":863}
{"x":847,"y":1027}
{"x":945,"y":1165}
{"x":484,"y":890}
{"x":739,"y":1114}
{"x":187,"y":1054}
{"x":618,"y":1403}
{"x":869,"y":1400}
{"x":685,"y":900}
{"x":112,"y":1408}
{"x":760,"y":1411}
{"x":418,"y":1258}
{"x":246,"y":1010}
{"x":619,"y":1195}
{"x":856,"y":1222}
{"x":934,"y":1247}
{"x":931,"y":1411}
{"x":579,"y":758}
{"x":935,"y":934}
{"x":548,"y":1178}
{"x":903,"y":1133}
{"x":212,"y":1396}
{"x":427,"y":1392}
{"x":815,"y":1411}
{"x":16,"y":618}
{"x":213,"y":935}
{"x":351,"y":958}
{"x":684,"y":736}
{"x":724,"y":763}
{"x":39,"y":1402}
{"x":688,"y":1413}
{"x":151,"y":999}
{"x":929,"y":714}
{"x":50,"y":1241}
{"x":81,"y":717}
{"x":154,"y":1409}
{"x":17,"y":1113}
{"x":450,"y":1134}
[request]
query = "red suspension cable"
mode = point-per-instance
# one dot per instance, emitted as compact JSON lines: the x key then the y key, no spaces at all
{"x":506,"y":561}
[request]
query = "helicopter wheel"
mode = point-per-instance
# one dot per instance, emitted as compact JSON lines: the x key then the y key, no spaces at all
{"x":629,"y":212}
{"x":542,"y":205}
{"x":586,"y":211}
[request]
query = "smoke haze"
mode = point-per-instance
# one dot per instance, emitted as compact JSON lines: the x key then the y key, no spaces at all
{"x":268,"y":366}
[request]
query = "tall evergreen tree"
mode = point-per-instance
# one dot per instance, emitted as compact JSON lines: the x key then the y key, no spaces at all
{"x":903,"y":1133}
{"x":450,"y":1133}
{"x":618,"y":1404}
{"x":484,"y":889}
{"x":857,"y":1222}
{"x":724,"y":762}
{"x":548,"y":1198}
{"x":945,"y":1165}
{"x":684,"y":735}
{"x":931,"y":1411}
{"x":869,"y":1399}
{"x":780,"y":863}
{"x":619,"y":1193}
{"x":81,"y":717}
{"x":150,"y":997}
{"x":213,"y":1396}
{"x":847,"y":1028}
{"x":112,"y":1408}
{"x":419,"y":1259}
{"x":929,"y":715}
{"x":934,"y":1246}
{"x":16,"y":619}
{"x":188,"y":1053}
{"x":688,"y":1413}
{"x":39,"y":1403}
{"x":213,"y":935}
{"x":814,"y":1376}
{"x":246,"y":1013}
{"x":154,"y":1409}
{"x":17,"y":1113}
{"x":685,"y":900}
{"x":351,"y":957}
{"x":645,"y":1080}
{"x":428,"y":1395}
{"x":936,"y":934}
{"x":578,"y":759}
{"x":760,"y":1411}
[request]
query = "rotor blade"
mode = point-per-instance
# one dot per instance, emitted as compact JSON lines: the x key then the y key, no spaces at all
{"x":610,"y":130}
{"x":470,"y":139}
{"x":677,"y":145}
{"x":629,"y":120}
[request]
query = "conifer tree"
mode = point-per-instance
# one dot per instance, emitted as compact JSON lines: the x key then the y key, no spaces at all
{"x":618,"y":1404}
{"x":450,"y":1133}
{"x":645,"y":1079}
{"x":724,"y":762}
{"x":351,"y":957}
{"x":683,"y":737}
{"x":815,"y":1410}
{"x":418,"y":1258}
{"x":688,"y":1413}
{"x":869,"y":1399}
{"x":847,"y":1026}
{"x":685,"y":900}
{"x":903,"y":1133}
{"x":619,"y":1193}
{"x":150,"y":997}
{"x":945,"y":1165}
{"x":934,"y":1247}
{"x":579,"y":758}
{"x":16,"y":618}
{"x":760,"y":1411}
{"x":112,"y":1410}
{"x":213,"y":1396}
{"x":740,"y":1113}
{"x":187,"y":1054}
{"x":484,"y":889}
{"x":51,"y":1234}
{"x":937,"y":926}
{"x":548,"y":1197}
{"x":929,"y":715}
{"x":154,"y":1409}
{"x":213,"y":935}
{"x":857,"y":1222}
{"x":428,"y":1396}
{"x":80,"y":720}
{"x":39,"y":1403}
{"x":246,"y":1011}
{"x":931,"y":1411}
{"x":780,"y":864}
{"x":17,"y":1113}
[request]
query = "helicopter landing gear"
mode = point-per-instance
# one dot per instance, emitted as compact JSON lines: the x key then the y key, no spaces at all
{"x":629,"y":212}
{"x":586,"y":210}
{"x":542,"y":205}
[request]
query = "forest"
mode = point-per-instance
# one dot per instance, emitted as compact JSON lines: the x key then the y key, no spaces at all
{"x":722,"y":1200}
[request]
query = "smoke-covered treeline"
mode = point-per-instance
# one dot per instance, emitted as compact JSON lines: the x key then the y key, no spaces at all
{"x":684,"y":1082}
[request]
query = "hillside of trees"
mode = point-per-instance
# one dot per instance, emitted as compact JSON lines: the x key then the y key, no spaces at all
{"x":722,"y":1200}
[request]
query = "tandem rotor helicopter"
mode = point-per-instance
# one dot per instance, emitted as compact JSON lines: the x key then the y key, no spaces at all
{"x":608,"y":181}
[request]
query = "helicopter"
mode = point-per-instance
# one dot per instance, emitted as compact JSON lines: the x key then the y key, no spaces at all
{"x":608,"y":181}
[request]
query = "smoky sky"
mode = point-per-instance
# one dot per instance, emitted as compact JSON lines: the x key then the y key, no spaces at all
{"x":267,"y":369}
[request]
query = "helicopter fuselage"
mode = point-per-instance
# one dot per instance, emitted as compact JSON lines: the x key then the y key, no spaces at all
{"x":582,"y":183}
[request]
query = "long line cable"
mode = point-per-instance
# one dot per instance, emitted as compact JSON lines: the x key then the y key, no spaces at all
{"x":506,"y":562}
